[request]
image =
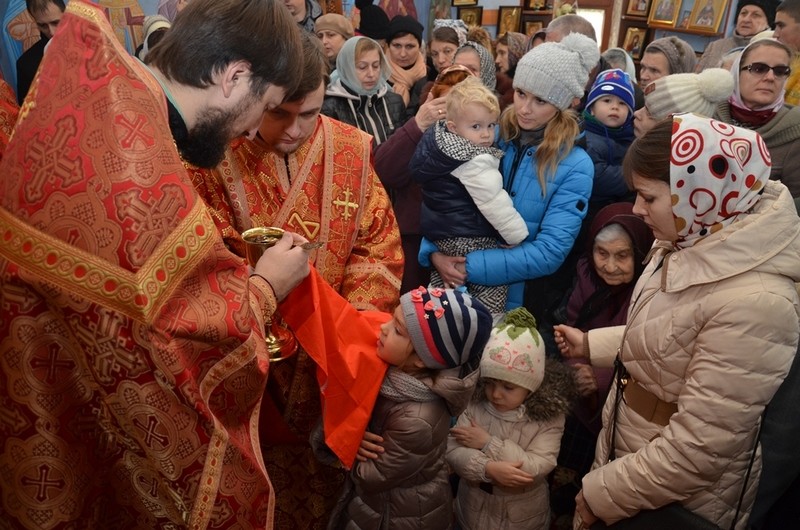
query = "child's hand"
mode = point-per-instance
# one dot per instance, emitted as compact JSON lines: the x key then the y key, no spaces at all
{"x":370,"y":447}
{"x":474,"y":436}
{"x":508,"y":474}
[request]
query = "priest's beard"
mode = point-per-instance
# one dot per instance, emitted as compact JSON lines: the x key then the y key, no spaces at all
{"x":204,"y":146}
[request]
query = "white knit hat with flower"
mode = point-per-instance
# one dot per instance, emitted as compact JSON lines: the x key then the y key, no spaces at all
{"x":515,"y":351}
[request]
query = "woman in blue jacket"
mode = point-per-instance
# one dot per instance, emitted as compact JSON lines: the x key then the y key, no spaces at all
{"x":547,"y":175}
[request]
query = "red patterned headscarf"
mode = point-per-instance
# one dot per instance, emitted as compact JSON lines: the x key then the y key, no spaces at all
{"x":717,"y":172}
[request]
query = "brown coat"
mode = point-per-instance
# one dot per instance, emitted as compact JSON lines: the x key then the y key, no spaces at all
{"x":407,"y":486}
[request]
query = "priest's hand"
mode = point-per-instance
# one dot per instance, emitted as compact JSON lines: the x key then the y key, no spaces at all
{"x":285,"y":264}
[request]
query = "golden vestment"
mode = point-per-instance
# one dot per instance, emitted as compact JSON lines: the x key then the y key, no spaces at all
{"x":327,"y":191}
{"x":132,"y":356}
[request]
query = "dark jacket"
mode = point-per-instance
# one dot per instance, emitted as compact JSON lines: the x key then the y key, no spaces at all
{"x":379,"y":115}
{"x":448,"y":210}
{"x":27,"y":65}
{"x":607,"y":153}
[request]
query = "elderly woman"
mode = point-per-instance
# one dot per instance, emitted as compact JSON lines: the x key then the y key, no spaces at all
{"x":712,"y":329}
{"x":760,"y":77}
{"x":676,"y":93}
{"x":479,"y":61}
{"x":618,"y":242}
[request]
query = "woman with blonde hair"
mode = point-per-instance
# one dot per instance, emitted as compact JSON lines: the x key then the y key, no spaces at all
{"x":548,"y":177}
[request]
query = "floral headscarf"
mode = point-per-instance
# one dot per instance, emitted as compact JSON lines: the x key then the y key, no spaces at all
{"x":717,"y":172}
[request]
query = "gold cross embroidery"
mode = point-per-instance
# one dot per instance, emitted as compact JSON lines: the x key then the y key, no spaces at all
{"x":346,"y":204}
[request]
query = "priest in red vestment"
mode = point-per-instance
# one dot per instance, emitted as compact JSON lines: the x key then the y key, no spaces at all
{"x":313,"y":175}
{"x":132,"y":354}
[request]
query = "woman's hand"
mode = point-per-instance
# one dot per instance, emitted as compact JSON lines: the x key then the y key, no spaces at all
{"x":585,"y":380}
{"x":569,"y":341}
{"x":584,"y":512}
{"x":452,"y":269}
{"x":284,"y":265}
{"x":474,"y":436}
{"x":370,"y":447}
{"x":508,"y":474}
{"x":430,"y":112}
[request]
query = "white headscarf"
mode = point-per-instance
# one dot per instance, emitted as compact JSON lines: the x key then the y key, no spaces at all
{"x":346,"y":68}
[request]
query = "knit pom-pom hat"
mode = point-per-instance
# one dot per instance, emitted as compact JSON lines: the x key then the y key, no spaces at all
{"x":557,"y":72}
{"x":515,"y":351}
{"x":697,"y":93}
{"x":612,"y":82}
{"x":447,"y":328}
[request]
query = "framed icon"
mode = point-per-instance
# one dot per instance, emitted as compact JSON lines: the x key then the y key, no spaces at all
{"x":634,"y":42}
{"x":638,"y":8}
{"x":508,"y":19}
{"x":472,"y":16}
{"x":706,"y":15}
{"x":664,"y":13}
{"x":457,"y":3}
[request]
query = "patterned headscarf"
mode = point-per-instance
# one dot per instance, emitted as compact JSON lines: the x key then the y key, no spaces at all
{"x":717,"y":172}
{"x":459,"y":26}
{"x":488,"y":69}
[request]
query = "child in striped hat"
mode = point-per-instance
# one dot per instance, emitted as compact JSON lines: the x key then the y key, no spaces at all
{"x":433,"y":345}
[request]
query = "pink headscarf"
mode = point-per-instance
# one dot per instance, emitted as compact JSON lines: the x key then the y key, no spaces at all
{"x":717,"y":172}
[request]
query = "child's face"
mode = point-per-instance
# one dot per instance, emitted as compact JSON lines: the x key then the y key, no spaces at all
{"x":610,"y":110}
{"x":394,"y":344}
{"x":504,"y":396}
{"x":476,"y":123}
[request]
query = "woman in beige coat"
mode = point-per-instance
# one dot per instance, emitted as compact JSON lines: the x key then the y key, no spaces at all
{"x":712,"y":329}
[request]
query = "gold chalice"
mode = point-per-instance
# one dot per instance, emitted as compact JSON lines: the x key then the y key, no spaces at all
{"x":281,"y":342}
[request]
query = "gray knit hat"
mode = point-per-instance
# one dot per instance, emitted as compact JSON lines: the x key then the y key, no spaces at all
{"x":679,"y":53}
{"x":447,"y":328}
{"x":557,"y":72}
{"x":515,"y":351}
{"x":697,"y":93}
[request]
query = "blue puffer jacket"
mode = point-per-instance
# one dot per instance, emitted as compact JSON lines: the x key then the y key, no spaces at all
{"x":447,"y":207}
{"x":553,"y":220}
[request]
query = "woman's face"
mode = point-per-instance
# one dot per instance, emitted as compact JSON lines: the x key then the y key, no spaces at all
{"x":368,"y":69}
{"x":643,"y":121}
{"x":442,"y":54}
{"x":469,"y":57}
{"x":532,"y":112}
{"x":404,"y":51}
{"x":501,"y":58}
{"x":613,"y":260}
{"x":760,"y":90}
{"x":654,"y":205}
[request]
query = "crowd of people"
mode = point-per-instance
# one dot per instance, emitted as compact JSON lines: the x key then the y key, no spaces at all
{"x":530,"y":287}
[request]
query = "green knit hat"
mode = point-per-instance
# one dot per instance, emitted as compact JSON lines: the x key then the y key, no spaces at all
{"x":515,"y":351}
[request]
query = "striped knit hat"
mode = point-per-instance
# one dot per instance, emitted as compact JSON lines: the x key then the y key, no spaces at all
{"x":447,"y":328}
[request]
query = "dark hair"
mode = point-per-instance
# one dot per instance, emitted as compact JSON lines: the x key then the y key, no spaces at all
{"x":791,"y":8}
{"x":208,"y":35}
{"x":37,"y":6}
{"x":315,"y":68}
{"x":649,"y":155}
{"x":766,"y":42}
{"x":444,"y":34}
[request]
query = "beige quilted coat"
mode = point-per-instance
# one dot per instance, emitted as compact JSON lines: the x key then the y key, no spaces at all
{"x":714,"y":329}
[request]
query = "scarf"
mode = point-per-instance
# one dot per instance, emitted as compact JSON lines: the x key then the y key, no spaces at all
{"x":488,"y":68}
{"x":741,"y":112}
{"x":457,"y":25}
{"x":399,"y":386}
{"x":459,"y":148}
{"x":717,"y":173}
{"x":403,"y":79}
{"x":346,"y":69}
